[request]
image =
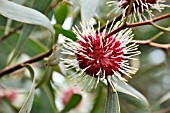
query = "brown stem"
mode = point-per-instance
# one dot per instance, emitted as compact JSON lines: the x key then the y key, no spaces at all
{"x":149,"y":22}
{"x":8,"y":70}
{"x":153,"y":44}
{"x":116,"y":30}
{"x":10,"y":33}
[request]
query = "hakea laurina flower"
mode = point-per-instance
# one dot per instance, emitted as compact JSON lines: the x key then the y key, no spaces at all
{"x":138,"y":9}
{"x":10,"y":94}
{"x":65,"y":93}
{"x":96,"y":58}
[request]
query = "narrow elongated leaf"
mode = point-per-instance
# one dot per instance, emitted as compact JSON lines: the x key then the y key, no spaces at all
{"x":67,"y":33}
{"x":19,"y":1}
{"x":24,"y":14}
{"x":98,"y":101}
{"x":26,"y":108}
{"x":88,"y":9}
{"x":50,"y":97}
{"x":41,"y":5}
{"x":27,"y":15}
{"x":131,"y":95}
{"x":25,"y":33}
{"x":45,"y":102}
{"x":112,"y":103}
{"x":32,"y":48}
{"x":125,"y":91}
{"x":73,"y":102}
{"x":45,"y":77}
{"x":61,"y":13}
{"x":98,"y":107}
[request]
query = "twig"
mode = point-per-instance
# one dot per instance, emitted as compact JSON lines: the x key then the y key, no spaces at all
{"x":153,"y":44}
{"x":10,"y":33}
{"x":110,"y":23}
{"x":8,"y":70}
{"x":149,"y":22}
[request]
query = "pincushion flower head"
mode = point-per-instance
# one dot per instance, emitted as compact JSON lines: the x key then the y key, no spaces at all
{"x":138,"y":9}
{"x":95,"y":58}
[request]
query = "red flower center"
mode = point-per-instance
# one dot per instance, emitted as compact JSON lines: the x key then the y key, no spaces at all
{"x":138,"y":4}
{"x":99,"y":57}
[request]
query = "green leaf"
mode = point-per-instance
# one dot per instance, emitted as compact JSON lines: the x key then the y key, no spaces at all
{"x":88,"y":9}
{"x":34,"y":47}
{"x":31,"y":48}
{"x":44,"y":102}
{"x":131,"y":95}
{"x":45,"y":77}
{"x":26,"y":108}
{"x":23,"y":37}
{"x":19,"y":1}
{"x":24,"y":14}
{"x":61,"y":13}
{"x":67,"y":33}
{"x":98,"y":100}
{"x":112,"y":103}
{"x":41,"y":5}
{"x":37,"y":106}
{"x":48,"y":91}
{"x":74,"y":101}
{"x":120,"y":90}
